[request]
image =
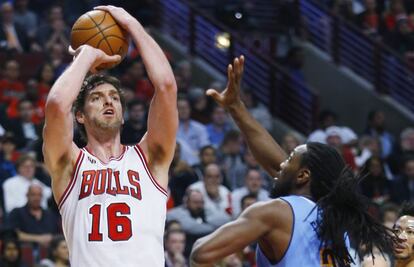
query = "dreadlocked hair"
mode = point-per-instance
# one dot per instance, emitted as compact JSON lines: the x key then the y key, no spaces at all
{"x":341,"y":209}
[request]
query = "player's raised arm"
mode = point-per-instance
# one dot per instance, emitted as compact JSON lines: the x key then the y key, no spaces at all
{"x":264,"y":148}
{"x":58,"y":146}
{"x":159,"y":142}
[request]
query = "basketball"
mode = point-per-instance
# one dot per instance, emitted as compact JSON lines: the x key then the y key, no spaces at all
{"x":99,"y":29}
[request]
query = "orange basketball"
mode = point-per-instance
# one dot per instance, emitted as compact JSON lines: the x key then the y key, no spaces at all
{"x":99,"y":29}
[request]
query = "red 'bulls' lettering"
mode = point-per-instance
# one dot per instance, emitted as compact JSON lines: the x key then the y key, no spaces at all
{"x":133,"y":178}
{"x":108,"y":181}
{"x":87,"y":181}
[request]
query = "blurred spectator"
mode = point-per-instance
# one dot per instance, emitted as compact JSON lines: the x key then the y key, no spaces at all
{"x":56,"y":57}
{"x":257,"y":109}
{"x":26,"y":133}
{"x":174,"y":249}
{"x":54,"y":31}
{"x":344,"y":8}
{"x":201,"y":105}
{"x":135,"y":78}
{"x":181,"y":176}
{"x":208,"y":154}
{"x":334,"y":138}
{"x":135,"y":126}
{"x":13,"y":37}
{"x":58,"y":253}
{"x":368,"y":146}
{"x":219,"y":126}
{"x":404,"y":184}
{"x":376,"y":128}
{"x":32,"y":222}
{"x":369,"y":20}
{"x":11,"y":89}
{"x":25,"y":17}
{"x":253,"y":186}
{"x":405,"y":149}
{"x":172,"y":225}
{"x":11,"y":254}
{"x":395,"y":11}
{"x":389,"y":214}
{"x":217,"y":198}
{"x":248,"y":200}
{"x":183,"y":75}
{"x":191,"y":132}
{"x":289,"y":141}
{"x":375,"y":184}
{"x":45,"y":79}
{"x":15,"y":188}
{"x":401,"y":38}
{"x":326,"y":119}
{"x":231,"y":159}
{"x":192,"y":217}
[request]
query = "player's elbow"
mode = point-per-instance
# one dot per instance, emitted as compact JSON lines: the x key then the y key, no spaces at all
{"x":169,"y":85}
{"x":199,"y":255}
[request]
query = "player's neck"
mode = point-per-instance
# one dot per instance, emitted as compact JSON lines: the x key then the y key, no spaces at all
{"x":105,"y":149}
{"x":404,"y":262}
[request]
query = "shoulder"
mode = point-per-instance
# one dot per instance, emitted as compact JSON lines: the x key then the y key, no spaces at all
{"x":271,"y":211}
{"x":197,"y":125}
{"x":11,"y":181}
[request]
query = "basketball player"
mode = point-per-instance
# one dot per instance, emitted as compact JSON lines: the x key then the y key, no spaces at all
{"x":317,"y":209}
{"x":404,"y":228}
{"x":112,"y":197}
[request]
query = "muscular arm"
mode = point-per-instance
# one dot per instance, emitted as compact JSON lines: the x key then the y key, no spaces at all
{"x":58,"y":147}
{"x":264,"y":148}
{"x":162,"y":115}
{"x":159,"y":142}
{"x":255,"y":222}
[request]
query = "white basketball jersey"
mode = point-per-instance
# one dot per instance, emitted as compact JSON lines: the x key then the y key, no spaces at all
{"x":113,"y":214}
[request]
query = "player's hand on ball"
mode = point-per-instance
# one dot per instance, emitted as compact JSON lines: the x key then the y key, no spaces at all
{"x":121,"y":16}
{"x":98,"y":56}
{"x":231,"y":95}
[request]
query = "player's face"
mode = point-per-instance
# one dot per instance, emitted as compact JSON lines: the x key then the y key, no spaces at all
{"x":285,"y":180}
{"x":404,"y":228}
{"x":103,"y":108}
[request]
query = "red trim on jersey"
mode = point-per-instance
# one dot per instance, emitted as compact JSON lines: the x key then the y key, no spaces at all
{"x":124,"y":149}
{"x":153,"y":180}
{"x":72,"y":180}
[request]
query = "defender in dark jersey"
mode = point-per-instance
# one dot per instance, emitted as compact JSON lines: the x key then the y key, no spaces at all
{"x":317,"y":207}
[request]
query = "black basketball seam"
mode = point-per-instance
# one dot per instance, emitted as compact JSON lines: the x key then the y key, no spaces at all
{"x":97,"y":32}
{"x":81,"y":29}
{"x":116,"y":36}
{"x":103,"y":35}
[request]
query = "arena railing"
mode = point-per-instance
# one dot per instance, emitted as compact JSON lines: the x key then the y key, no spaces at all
{"x":285,"y":96}
{"x":368,"y":57}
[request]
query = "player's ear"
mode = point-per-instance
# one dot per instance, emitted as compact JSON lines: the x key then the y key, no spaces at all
{"x":303,"y":176}
{"x":79,"y":117}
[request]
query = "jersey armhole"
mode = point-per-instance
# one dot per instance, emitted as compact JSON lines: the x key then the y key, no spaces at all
{"x":291,"y":234}
{"x":72,"y":180}
{"x":154,"y":181}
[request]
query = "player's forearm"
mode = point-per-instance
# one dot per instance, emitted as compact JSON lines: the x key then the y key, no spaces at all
{"x":262,"y":145}
{"x":157,"y":66}
{"x":68,"y":85}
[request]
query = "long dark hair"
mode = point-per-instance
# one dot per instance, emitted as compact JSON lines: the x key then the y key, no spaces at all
{"x":342,"y":209}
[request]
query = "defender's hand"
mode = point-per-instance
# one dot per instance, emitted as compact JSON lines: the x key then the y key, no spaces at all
{"x":97,"y":56}
{"x":231,"y":95}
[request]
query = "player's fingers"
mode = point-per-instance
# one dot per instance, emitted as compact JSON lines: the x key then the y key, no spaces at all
{"x":114,"y":58}
{"x":214,"y":94}
{"x":236,"y":69}
{"x":104,"y":8}
{"x":230,"y":75}
{"x":71,"y":51}
{"x":241,"y":65}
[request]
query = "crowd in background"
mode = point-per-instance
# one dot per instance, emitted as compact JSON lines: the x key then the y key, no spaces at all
{"x":391,"y":21}
{"x":213,"y":176}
